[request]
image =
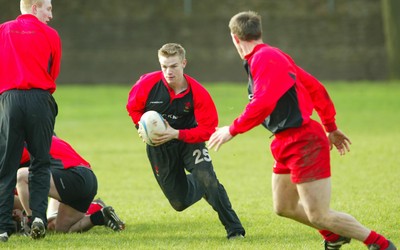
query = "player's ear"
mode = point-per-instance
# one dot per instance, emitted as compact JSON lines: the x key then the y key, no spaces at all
{"x":34,"y":9}
{"x":235,"y":38}
{"x":184,"y":62}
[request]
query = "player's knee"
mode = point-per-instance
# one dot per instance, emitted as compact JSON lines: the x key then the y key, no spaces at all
{"x":22,"y":175}
{"x":318,"y":219}
{"x":61,"y":228}
{"x":282,"y":211}
{"x":208,"y":180}
{"x":279,"y":211}
{"x":178,"y":205}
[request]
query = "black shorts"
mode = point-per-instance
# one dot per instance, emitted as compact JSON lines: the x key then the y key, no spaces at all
{"x":76,"y":186}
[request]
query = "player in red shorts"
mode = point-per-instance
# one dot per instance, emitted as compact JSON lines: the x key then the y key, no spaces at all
{"x":282,"y":98}
{"x":74,"y":185}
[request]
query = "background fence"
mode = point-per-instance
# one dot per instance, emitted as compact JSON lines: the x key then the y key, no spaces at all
{"x":117,"y":41}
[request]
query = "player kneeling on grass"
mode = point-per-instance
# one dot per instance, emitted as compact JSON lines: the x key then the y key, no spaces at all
{"x":74,"y":185}
{"x":192,"y":117}
{"x":96,"y":206}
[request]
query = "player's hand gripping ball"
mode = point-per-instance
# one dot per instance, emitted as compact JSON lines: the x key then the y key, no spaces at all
{"x":150,"y":124}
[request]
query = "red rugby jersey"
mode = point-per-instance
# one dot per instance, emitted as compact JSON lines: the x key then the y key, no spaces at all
{"x":30,"y":54}
{"x":61,"y":151}
{"x":282,"y":95}
{"x":192,"y":112}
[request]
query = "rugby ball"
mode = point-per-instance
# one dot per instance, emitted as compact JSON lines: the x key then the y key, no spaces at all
{"x":151,"y":123}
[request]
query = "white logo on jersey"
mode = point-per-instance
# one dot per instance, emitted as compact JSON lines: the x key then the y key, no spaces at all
{"x":173,"y":117}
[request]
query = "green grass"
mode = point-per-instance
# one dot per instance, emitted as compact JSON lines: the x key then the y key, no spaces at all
{"x":365,"y":182}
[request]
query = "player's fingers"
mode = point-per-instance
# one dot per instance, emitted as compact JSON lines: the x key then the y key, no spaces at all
{"x":214,"y":143}
{"x":340,"y":150}
{"x":346,"y":145}
{"x":347,"y":140}
{"x":216,"y":146}
{"x":211,"y":143}
{"x":339,"y":147}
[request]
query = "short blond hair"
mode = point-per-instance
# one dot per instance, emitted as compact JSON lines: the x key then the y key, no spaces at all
{"x":172,"y":49}
{"x":26,"y":5}
{"x":246,"y":25}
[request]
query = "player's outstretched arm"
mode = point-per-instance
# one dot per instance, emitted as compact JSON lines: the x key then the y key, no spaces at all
{"x":340,"y":140}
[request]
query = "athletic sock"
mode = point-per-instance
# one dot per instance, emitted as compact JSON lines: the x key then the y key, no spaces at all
{"x":97,"y":218}
{"x":329,"y":236}
{"x":374,"y":238}
{"x":93,"y":208}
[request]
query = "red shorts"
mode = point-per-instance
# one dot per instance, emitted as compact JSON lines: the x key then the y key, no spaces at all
{"x":302,"y":152}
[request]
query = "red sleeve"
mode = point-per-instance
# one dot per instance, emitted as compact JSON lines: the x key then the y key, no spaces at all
{"x":271,"y":81}
{"x":205,"y":114}
{"x":320,"y":98}
{"x":138,"y":95}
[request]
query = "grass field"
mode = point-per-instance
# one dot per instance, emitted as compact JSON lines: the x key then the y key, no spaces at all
{"x":93,"y":119}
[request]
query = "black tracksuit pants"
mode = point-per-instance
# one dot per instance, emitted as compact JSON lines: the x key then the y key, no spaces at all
{"x":169,"y":162}
{"x":26,"y":116}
